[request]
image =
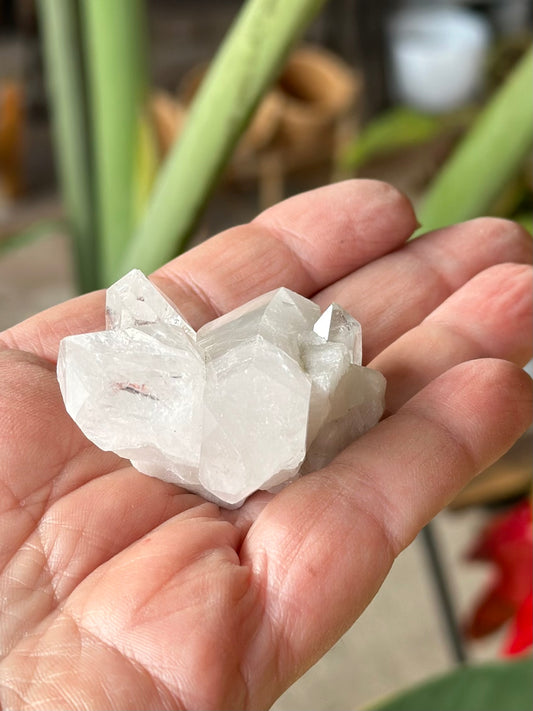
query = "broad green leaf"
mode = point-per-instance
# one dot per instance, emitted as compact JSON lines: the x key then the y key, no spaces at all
{"x":246,"y":64}
{"x":65,"y":82}
{"x":145,"y":167}
{"x":503,"y":686}
{"x":487,"y":157}
{"x":116,"y":59}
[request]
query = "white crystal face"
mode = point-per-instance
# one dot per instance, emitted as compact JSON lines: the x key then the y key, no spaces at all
{"x":134,"y":394}
{"x":278,"y":317}
{"x":134,"y":302}
{"x":257,"y":397}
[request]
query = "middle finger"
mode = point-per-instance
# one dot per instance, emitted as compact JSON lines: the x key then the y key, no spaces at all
{"x":395,"y":293}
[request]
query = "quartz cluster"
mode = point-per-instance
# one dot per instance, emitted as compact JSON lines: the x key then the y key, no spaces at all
{"x":256,"y":397}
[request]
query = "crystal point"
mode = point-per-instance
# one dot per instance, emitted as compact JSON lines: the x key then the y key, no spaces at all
{"x":338,"y":326}
{"x":257,"y":397}
{"x":134,"y":302}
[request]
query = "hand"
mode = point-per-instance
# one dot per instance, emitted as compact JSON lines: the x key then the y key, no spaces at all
{"x":122,"y":592}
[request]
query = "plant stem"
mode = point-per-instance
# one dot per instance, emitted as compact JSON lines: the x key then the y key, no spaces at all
{"x":116,"y":58}
{"x":247,"y":62}
{"x":487,"y":157}
{"x":61,"y":42}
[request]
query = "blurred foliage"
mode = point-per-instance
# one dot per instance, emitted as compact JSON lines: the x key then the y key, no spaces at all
{"x":526,"y":220}
{"x":504,"y":54}
{"x":38,"y":230}
{"x":97,"y":74}
{"x":61,"y":41}
{"x":125,"y":211}
{"x":501,"y":686}
{"x":398,"y":128}
{"x":489,"y":170}
{"x":114,"y":42}
{"x":490,"y":154}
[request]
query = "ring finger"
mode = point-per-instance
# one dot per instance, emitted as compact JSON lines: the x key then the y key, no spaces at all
{"x":489,"y":317}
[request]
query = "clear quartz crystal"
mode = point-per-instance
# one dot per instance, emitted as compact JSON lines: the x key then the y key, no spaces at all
{"x":338,"y":326}
{"x":257,"y":397}
{"x":134,"y":302}
{"x":256,"y":402}
{"x":278,"y":317}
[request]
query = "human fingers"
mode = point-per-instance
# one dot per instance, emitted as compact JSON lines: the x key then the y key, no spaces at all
{"x":332,"y":536}
{"x":395,"y":293}
{"x":304,"y":243}
{"x":490,"y":316}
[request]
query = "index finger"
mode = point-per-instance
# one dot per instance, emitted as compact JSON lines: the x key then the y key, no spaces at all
{"x":305,"y":243}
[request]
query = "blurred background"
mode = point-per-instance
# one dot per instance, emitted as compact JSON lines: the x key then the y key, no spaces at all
{"x":434,"y":97}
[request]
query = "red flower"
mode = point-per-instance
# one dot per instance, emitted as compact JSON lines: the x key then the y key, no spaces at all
{"x":520,"y":638}
{"x":508,"y":543}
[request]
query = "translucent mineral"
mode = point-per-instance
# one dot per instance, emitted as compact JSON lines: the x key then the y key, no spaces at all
{"x":255,"y":398}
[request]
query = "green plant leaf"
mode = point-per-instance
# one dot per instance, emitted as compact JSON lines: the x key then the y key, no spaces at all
{"x":247,"y":62}
{"x":30,"y":234}
{"x":116,"y":59}
{"x":394,"y":129}
{"x":500,"y":686}
{"x":65,"y":82}
{"x":526,"y":220}
{"x":487,"y":157}
{"x":145,"y":167}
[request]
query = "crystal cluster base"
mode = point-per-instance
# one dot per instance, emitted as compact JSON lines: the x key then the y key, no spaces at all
{"x":255,"y":398}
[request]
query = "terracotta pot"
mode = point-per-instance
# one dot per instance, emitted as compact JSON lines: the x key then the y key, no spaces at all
{"x":319,"y":90}
{"x":12,"y":117}
{"x":168,"y":117}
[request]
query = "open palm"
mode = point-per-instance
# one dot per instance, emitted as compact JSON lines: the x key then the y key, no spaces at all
{"x":122,"y":592}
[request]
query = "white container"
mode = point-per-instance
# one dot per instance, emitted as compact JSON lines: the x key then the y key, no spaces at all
{"x":438,"y":56}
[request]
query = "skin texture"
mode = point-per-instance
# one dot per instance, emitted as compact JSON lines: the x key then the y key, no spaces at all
{"x":122,"y":592}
